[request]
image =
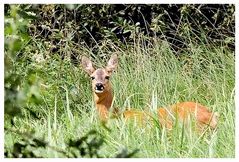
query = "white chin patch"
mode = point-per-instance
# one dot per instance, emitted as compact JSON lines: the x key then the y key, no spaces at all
{"x":98,"y":91}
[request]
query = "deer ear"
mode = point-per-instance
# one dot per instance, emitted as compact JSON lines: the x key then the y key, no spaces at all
{"x":112,"y":64}
{"x":87,"y":65}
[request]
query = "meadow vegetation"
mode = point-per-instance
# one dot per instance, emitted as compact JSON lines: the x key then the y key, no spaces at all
{"x":49,"y":109}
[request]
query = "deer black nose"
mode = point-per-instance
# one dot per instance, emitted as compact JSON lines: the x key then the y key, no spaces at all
{"x":99,"y":86}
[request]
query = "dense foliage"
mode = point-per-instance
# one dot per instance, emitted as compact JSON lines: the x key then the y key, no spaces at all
{"x":95,"y":25}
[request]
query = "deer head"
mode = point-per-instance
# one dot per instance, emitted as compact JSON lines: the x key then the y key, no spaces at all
{"x":100,"y":77}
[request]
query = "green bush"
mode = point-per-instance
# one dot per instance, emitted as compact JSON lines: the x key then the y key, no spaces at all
{"x":95,"y":24}
{"x":18,"y":91}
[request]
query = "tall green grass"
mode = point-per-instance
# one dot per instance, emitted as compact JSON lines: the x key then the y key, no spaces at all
{"x":148,"y":76}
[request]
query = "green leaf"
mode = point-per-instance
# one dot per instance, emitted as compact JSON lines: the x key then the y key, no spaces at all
{"x":70,"y":6}
{"x":26,"y":15}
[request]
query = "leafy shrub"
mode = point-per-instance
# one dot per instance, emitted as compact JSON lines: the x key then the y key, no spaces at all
{"x":93,"y":25}
{"x":17,"y":92}
{"x":87,"y":146}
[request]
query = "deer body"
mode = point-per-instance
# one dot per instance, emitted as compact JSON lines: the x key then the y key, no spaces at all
{"x":103,"y":98}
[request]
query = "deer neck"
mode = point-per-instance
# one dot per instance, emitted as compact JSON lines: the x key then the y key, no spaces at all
{"x":103,"y":102}
{"x":104,"y":99}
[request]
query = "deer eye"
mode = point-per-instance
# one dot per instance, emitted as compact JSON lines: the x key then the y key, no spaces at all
{"x":107,"y":77}
{"x":92,"y":78}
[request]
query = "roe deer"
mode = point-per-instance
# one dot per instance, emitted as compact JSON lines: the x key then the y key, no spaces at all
{"x":103,"y":97}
